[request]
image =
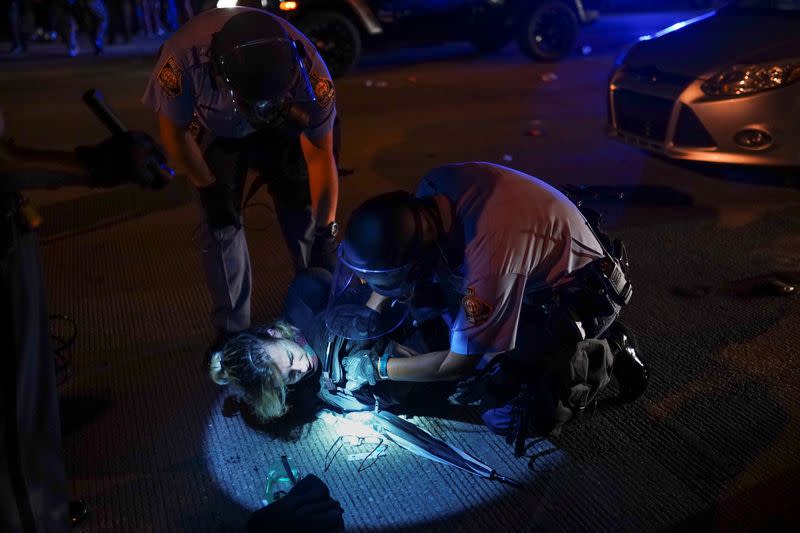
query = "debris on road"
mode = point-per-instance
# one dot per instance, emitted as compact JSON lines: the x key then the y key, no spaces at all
{"x":762,"y":286}
{"x":779,"y":288}
{"x":535,"y":129}
{"x":756,"y":287}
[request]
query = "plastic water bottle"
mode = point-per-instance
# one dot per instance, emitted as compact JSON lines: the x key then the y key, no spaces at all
{"x":281,"y":477}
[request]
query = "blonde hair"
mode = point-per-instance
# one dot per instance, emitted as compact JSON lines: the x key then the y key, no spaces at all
{"x":243,"y":361}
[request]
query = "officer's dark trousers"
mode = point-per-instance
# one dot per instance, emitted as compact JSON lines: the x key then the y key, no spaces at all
{"x":547,"y":333}
{"x":33,"y":493}
{"x":279,"y":161}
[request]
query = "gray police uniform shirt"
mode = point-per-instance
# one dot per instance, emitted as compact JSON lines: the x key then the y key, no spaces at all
{"x":181,"y":84}
{"x":521,"y":235}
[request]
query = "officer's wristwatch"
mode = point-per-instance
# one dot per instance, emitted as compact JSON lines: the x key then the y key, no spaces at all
{"x":331,"y":230}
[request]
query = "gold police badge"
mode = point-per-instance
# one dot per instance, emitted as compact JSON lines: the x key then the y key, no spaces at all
{"x":476,"y":310}
{"x":323,"y":90}
{"x":170,"y":78}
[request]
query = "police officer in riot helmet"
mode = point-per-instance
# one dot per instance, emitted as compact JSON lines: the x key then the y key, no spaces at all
{"x":238,"y":89}
{"x":526,"y":285}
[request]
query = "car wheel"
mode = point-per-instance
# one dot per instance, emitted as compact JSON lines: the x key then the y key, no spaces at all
{"x":548,"y":32}
{"x":336,"y":38}
{"x":487,"y":42}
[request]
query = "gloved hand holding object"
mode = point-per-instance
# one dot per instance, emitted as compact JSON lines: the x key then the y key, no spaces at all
{"x":127,"y":157}
{"x":308,"y":506}
{"x":359,"y":369}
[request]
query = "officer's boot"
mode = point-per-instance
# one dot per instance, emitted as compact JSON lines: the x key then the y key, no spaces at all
{"x":629,"y":368}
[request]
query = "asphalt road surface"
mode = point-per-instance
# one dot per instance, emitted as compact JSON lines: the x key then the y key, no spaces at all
{"x":149,"y":440}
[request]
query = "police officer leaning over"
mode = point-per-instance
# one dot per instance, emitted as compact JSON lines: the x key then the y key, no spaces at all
{"x":238,"y":89}
{"x":33,"y":485}
{"x":522,"y":280}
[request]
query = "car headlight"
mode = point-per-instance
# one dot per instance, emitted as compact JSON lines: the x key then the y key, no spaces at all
{"x":740,"y":80}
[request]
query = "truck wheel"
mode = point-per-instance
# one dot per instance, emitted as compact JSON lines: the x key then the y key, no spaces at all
{"x":336,"y":38}
{"x":549,"y":31}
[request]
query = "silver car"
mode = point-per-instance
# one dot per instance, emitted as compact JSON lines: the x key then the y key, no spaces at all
{"x":721,"y":87}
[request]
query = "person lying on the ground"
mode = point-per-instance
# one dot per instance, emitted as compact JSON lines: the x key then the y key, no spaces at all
{"x":267,"y":366}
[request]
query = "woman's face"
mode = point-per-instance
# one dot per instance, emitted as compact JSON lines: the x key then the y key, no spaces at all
{"x":293,"y":362}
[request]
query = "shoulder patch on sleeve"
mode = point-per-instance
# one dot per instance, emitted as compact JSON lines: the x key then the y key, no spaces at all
{"x":323,"y":90}
{"x":476,"y":310}
{"x":170,"y":77}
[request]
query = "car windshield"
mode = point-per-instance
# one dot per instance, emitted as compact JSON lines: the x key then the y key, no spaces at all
{"x":771,"y":5}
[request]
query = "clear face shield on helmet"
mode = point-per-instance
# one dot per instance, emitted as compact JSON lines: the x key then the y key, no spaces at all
{"x":265,"y":100}
{"x":348,"y":314}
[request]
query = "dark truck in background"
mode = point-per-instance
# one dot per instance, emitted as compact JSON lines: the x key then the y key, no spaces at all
{"x":545,"y":30}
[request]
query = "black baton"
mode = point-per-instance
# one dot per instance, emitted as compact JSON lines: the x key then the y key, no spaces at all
{"x":94,"y":99}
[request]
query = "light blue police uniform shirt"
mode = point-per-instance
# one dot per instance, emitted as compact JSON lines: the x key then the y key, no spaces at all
{"x":181,"y":83}
{"x":521,"y":235}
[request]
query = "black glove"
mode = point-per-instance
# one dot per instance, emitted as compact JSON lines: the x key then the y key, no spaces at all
{"x":324,"y":252}
{"x":130,"y":157}
{"x":307,"y":507}
{"x":219,"y":205}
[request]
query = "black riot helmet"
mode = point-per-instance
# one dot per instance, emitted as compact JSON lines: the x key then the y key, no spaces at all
{"x":385,"y":242}
{"x":389,"y":243}
{"x":254,"y":58}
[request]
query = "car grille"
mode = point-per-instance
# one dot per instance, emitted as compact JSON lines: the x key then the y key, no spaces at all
{"x":641,"y":114}
{"x":653,"y":75}
{"x":690,"y":131}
